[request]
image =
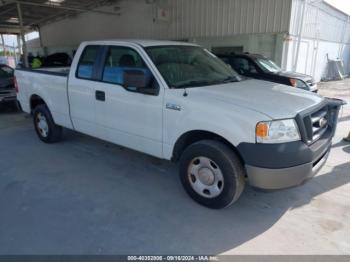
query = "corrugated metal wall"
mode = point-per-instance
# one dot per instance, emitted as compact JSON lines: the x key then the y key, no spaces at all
{"x":321,"y":21}
{"x":218,"y":18}
{"x":188,"y":19}
{"x":325,"y":35}
{"x":136,"y":20}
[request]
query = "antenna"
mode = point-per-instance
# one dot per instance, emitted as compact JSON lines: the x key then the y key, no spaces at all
{"x":185,"y":93}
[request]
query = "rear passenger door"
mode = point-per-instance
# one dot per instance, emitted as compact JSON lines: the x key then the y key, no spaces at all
{"x":82,"y":89}
{"x":126,"y":116}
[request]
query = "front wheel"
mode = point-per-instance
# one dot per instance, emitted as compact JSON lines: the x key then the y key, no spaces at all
{"x":45,"y":127}
{"x":212,"y":174}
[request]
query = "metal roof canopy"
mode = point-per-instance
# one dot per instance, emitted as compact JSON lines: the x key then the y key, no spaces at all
{"x":36,"y":13}
{"x":20,"y":17}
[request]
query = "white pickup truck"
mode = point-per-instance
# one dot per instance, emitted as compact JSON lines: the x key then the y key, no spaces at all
{"x":177,"y":101}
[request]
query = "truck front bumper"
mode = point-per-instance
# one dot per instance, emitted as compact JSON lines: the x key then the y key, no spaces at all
{"x":270,"y":179}
{"x":278,"y":166}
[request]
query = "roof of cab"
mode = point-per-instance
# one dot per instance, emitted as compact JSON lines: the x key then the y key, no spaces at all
{"x":143,"y":43}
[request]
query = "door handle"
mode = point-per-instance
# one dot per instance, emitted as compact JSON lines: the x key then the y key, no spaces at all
{"x":100,"y":95}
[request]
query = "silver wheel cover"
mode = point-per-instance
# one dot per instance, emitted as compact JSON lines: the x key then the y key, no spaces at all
{"x":42,"y":125}
{"x":205,"y":177}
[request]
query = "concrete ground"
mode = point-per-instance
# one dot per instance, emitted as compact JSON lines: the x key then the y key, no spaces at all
{"x":86,"y":196}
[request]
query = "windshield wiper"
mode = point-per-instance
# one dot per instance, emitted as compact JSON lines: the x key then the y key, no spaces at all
{"x":193,"y":83}
{"x":196,"y":83}
{"x":230,"y":79}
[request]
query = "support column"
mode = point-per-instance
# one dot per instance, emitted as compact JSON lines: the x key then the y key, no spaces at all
{"x":3,"y":44}
{"x":41,"y":43}
{"x":19,"y":45}
{"x":300,"y":32}
{"x":24,"y":45}
{"x":15,"y":53}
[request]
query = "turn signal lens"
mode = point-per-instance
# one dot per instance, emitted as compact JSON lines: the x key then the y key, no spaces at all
{"x":293,"y":82}
{"x":262,"y":130}
{"x":277,"y":131}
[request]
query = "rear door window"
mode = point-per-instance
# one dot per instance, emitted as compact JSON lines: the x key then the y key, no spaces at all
{"x":87,"y":61}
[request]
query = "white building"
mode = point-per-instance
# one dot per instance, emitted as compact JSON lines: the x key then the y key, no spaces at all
{"x":268,"y":27}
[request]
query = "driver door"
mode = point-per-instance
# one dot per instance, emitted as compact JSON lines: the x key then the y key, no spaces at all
{"x":126,"y":116}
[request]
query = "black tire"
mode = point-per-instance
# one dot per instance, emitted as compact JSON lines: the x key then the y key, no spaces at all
{"x":54,"y":132}
{"x":228,"y":162}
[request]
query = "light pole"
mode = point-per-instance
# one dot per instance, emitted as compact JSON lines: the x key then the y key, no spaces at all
{"x":24,"y":45}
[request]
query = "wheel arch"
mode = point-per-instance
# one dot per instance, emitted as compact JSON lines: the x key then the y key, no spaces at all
{"x":194,"y":136}
{"x":36,"y":100}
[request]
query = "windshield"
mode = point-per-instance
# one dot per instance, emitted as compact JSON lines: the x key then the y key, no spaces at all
{"x":190,"y":66}
{"x":268,"y":65}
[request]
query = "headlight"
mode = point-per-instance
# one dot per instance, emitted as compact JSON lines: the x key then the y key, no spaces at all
{"x":278,"y":131}
{"x":297,"y":83}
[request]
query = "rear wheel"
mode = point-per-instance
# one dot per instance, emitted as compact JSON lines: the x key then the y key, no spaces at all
{"x":45,"y":127}
{"x":212,"y":174}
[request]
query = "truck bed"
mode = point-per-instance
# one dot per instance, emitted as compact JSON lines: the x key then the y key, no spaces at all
{"x":59,"y":71}
{"x":50,"y":84}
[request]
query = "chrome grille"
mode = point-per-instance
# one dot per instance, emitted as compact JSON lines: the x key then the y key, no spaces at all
{"x":316,"y":124}
{"x":319,"y":122}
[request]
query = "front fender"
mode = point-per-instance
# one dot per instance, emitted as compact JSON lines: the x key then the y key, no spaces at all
{"x":233,"y":123}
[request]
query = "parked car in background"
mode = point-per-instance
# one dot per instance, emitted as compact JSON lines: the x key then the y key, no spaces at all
{"x":53,"y":60}
{"x":57,"y":59}
{"x":7,"y":87}
{"x":259,"y":67}
{"x":179,"y":102}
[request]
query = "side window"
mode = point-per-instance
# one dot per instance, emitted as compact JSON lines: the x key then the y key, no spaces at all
{"x":121,"y":59}
{"x":252,"y":68}
{"x":87,"y":61}
{"x":243,"y":66}
{"x":225,"y":60}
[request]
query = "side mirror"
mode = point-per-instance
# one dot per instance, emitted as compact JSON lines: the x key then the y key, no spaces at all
{"x":138,"y":80}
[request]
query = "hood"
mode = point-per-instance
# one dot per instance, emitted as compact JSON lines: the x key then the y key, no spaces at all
{"x":295,"y":75}
{"x":273,"y":100}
